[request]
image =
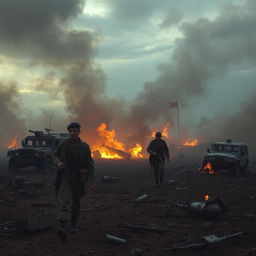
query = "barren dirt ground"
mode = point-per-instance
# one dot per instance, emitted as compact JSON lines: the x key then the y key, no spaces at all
{"x":237,"y":193}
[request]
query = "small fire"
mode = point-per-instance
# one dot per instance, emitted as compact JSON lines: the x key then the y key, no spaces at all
{"x":206,"y":197}
{"x":13,"y":143}
{"x":191,"y":143}
{"x":164,"y":131}
{"x":208,"y":168}
{"x":111,"y":148}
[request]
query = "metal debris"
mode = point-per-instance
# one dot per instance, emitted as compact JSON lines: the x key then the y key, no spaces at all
{"x":210,"y":209}
{"x":115,"y":239}
{"x":205,"y":242}
{"x":141,"y":198}
{"x":109,"y":179}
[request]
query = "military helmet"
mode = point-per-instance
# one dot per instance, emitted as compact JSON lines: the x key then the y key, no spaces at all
{"x":74,"y":125}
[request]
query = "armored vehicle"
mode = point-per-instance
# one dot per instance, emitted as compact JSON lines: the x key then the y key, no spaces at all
{"x":223,"y":156}
{"x":37,"y":151}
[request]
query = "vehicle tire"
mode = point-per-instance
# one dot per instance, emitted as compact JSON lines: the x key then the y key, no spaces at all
{"x":13,"y":165}
{"x":243,"y":170}
{"x":236,"y":171}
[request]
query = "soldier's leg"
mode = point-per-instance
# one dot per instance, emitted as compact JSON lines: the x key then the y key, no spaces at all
{"x":64,"y":198}
{"x":156,"y":173}
{"x":161,"y":171}
{"x":78,"y":192}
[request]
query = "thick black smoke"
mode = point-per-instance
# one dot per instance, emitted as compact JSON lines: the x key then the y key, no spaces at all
{"x":11,"y":125}
{"x":206,"y":51}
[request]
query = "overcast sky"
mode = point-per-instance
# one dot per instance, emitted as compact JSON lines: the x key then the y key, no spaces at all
{"x":138,"y":55}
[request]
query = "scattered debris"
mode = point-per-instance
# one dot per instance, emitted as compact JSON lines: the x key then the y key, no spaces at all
{"x":210,"y":209}
{"x":205,"y":242}
{"x":115,"y":239}
{"x":148,"y":229}
{"x":109,"y":179}
{"x":141,"y":198}
{"x":97,"y":208}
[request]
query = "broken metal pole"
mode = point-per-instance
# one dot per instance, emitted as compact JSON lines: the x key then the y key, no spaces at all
{"x":115,"y":239}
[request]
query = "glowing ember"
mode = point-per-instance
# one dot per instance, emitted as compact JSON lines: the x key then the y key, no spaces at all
{"x":206,"y":197}
{"x":164,"y":131}
{"x":111,"y":148}
{"x":13,"y":143}
{"x":191,"y":143}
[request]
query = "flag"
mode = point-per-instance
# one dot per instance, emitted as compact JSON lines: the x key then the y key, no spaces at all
{"x":173,"y":104}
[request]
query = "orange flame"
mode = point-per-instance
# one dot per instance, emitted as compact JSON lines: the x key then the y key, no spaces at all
{"x":164,"y":131}
{"x":136,"y":151}
{"x":208,"y":168}
{"x":191,"y":143}
{"x":206,"y":197}
{"x":112,"y":148}
{"x":14,"y":143}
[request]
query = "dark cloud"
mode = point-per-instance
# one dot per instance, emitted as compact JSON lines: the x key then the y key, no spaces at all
{"x":207,"y":51}
{"x":41,"y":29}
{"x":11,"y":125}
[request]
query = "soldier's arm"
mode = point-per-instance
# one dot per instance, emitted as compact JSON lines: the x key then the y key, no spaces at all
{"x":90,"y":164}
{"x":58,"y":154}
{"x":150,"y":149}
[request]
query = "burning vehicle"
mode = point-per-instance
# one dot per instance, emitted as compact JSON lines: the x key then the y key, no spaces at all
{"x":226,"y":156}
{"x":36,"y":151}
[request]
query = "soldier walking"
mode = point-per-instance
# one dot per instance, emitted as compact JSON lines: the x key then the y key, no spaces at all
{"x":75,"y":165}
{"x":159,"y":152}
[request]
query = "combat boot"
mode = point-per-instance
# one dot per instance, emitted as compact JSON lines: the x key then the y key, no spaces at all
{"x":63,"y":231}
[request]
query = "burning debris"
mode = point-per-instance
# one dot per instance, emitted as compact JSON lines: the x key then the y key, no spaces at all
{"x":191,"y":143}
{"x":209,"y":209}
{"x":111,"y":148}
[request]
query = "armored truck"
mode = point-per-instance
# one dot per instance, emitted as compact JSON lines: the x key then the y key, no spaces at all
{"x":36,"y":151}
{"x":226,"y":156}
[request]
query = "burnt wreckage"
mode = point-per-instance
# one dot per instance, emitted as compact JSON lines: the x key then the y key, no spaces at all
{"x":225,"y":156}
{"x":36,"y":151}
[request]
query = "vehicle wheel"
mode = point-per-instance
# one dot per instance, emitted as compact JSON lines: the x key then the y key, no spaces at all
{"x":236,"y":171}
{"x":243,"y":170}
{"x":13,"y":166}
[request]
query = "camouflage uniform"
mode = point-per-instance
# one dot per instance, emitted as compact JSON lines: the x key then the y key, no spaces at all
{"x":159,"y":147}
{"x":76,"y":156}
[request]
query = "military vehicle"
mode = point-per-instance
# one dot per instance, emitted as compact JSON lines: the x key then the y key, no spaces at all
{"x":37,"y":151}
{"x":226,"y":156}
